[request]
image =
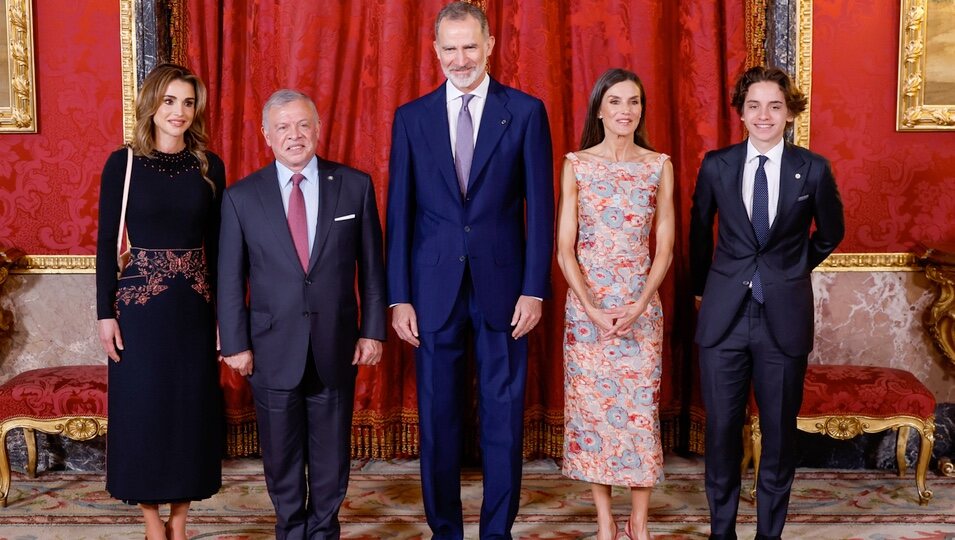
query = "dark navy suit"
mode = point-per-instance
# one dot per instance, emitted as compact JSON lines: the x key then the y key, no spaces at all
{"x":302,"y":328}
{"x":462,"y":262}
{"x":742,"y":341}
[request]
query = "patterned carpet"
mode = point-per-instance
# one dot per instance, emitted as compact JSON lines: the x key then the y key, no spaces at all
{"x":384,"y":501}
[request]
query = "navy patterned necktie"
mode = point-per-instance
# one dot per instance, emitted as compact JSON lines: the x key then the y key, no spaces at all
{"x":464,"y":144}
{"x":760,"y":219}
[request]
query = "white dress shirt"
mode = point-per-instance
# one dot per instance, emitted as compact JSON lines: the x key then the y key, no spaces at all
{"x":476,"y":107}
{"x":772,"y":167}
{"x":309,"y":188}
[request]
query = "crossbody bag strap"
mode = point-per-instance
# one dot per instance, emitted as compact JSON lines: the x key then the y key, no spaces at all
{"x":122,"y":214}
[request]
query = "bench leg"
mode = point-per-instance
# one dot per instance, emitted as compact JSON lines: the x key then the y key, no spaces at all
{"x":29,"y":437}
{"x":900,"y":443}
{"x":747,"y":449}
{"x":925,"y":455}
{"x":757,"y":450}
{"x":4,"y":467}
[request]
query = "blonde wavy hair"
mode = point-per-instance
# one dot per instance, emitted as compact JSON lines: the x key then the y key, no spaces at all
{"x":150,"y":99}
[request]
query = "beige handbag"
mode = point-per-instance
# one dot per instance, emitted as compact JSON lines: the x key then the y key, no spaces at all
{"x":122,"y":257}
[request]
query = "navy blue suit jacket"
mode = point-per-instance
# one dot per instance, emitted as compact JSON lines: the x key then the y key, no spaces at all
{"x":503,"y":229}
{"x":807,"y":195}
{"x":288,"y":308}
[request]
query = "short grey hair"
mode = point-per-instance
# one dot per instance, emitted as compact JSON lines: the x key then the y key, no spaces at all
{"x":458,"y":11}
{"x":283,"y":97}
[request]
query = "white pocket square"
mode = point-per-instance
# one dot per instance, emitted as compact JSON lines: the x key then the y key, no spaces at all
{"x":802,"y":198}
{"x":343,"y":218}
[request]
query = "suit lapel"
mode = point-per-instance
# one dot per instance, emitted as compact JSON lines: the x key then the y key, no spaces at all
{"x":438,"y":136}
{"x":494,"y":121}
{"x":731,"y":176}
{"x":329,"y":188}
{"x":270,"y":194}
{"x":792,"y":177}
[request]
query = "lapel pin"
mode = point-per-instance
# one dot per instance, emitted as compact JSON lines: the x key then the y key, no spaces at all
{"x":503,"y":122}
{"x":332,"y":177}
{"x":798,"y":176}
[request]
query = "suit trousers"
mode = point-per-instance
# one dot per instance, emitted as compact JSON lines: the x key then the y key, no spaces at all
{"x":748,"y":354}
{"x":305,"y":437}
{"x":501,"y":363}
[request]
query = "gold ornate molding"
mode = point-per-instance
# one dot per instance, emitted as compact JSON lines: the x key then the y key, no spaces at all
{"x":127,"y":48}
{"x":19,"y":114}
{"x":870,"y":262}
{"x":837,"y":262}
{"x":912,"y":114}
{"x":55,"y":264}
{"x":803,"y":69}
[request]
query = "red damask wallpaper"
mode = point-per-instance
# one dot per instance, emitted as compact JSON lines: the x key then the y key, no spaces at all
{"x":49,"y":181}
{"x":898,"y":187}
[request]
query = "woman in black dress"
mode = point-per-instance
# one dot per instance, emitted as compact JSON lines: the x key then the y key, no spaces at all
{"x":157,"y":320}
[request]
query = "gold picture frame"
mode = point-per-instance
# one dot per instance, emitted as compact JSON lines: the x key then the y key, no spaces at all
{"x":17,"y":76}
{"x":926,"y":66}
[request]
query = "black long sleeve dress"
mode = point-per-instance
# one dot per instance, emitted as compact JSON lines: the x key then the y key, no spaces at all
{"x":165,"y":433}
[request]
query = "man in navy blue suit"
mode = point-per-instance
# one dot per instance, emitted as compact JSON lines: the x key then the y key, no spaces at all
{"x":469,"y":245}
{"x":755,"y":324}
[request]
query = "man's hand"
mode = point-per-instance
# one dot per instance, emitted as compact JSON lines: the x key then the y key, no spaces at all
{"x":110,"y":338}
{"x":697,"y":301}
{"x":240,"y":362}
{"x":527,"y":313}
{"x":367,"y":352}
{"x":405,"y":322}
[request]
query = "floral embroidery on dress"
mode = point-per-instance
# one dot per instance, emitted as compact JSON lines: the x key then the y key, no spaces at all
{"x":160,"y":265}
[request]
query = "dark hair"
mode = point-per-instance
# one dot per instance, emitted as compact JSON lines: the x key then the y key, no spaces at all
{"x":795,"y":100}
{"x":458,"y":11}
{"x":150,"y":98}
{"x":593,"y":131}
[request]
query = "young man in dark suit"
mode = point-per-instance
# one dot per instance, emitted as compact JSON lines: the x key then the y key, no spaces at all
{"x":754,"y":292}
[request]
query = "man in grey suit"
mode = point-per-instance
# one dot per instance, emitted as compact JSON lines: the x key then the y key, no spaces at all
{"x":756,"y":306}
{"x":295,"y":236}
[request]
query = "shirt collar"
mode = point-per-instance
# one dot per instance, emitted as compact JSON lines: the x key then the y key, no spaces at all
{"x":285,"y":174}
{"x":775,"y":154}
{"x":453,"y":93}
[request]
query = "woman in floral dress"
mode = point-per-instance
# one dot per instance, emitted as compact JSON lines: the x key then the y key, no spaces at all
{"x":614,"y":193}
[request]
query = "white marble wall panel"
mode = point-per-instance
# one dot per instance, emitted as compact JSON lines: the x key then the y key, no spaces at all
{"x":876,"y":318}
{"x":54,"y":322}
{"x":872,"y":318}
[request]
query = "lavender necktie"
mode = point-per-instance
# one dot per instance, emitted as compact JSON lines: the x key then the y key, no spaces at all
{"x":464,"y":144}
{"x":760,"y":219}
{"x":297,"y":224}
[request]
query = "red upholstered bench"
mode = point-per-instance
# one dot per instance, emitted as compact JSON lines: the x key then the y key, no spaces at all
{"x":845,"y":401}
{"x":66,"y":400}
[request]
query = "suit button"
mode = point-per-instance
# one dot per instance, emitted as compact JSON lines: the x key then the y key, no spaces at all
{"x":461,"y":258}
{"x":308,"y":282}
{"x":467,"y":228}
{"x":305,"y":314}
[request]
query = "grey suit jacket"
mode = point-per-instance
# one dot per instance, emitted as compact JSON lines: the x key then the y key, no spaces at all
{"x":269,"y":304}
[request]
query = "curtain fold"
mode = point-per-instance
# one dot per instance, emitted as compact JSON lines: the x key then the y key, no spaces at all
{"x":361,"y":59}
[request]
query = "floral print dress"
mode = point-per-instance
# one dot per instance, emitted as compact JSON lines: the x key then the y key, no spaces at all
{"x":612,"y":388}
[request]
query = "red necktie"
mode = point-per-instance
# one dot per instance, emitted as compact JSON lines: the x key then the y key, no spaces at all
{"x":297,"y":224}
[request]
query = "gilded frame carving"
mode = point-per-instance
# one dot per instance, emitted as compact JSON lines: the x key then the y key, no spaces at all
{"x":127,"y":50}
{"x":915,"y":77}
{"x":803,"y":69}
{"x":18,"y":80}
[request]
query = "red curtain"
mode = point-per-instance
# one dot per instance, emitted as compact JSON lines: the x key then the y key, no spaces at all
{"x":361,"y":59}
